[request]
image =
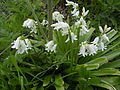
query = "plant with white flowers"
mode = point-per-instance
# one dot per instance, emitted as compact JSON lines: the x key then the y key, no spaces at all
{"x":73,"y":51}
{"x":75,"y":34}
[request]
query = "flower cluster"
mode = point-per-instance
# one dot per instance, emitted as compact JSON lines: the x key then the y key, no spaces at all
{"x":81,"y":23}
{"x":86,"y":47}
{"x":22,"y":45}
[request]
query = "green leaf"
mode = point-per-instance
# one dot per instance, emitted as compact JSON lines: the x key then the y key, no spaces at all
{"x":46,"y":80}
{"x":106,"y":85}
{"x":111,"y":47}
{"x":91,"y":66}
{"x":59,"y":80}
{"x":100,"y":61}
{"x":112,"y":80}
{"x":114,"y":64}
{"x":111,"y":34}
{"x":108,"y":71}
{"x":113,"y":54}
{"x":87,"y":67}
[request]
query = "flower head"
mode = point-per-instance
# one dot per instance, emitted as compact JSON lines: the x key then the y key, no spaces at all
{"x":101,"y":46}
{"x":91,"y":49}
{"x":96,"y":40}
{"x":104,"y":37}
{"x":75,"y":12}
{"x":83,"y":49}
{"x":87,"y":49}
{"x":84,"y":13}
{"x":21,"y":45}
{"x":57,"y":16}
{"x":50,"y":46}
{"x":31,"y":24}
{"x":83,"y":30}
{"x":106,"y":29}
{"x":61,"y":25}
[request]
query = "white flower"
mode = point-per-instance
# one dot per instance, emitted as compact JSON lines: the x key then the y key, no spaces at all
{"x":61,"y":25}
{"x":84,"y":13}
{"x":28,"y":44}
{"x":57,"y":16}
{"x":80,"y":22}
{"x":101,"y":29}
{"x":96,"y":40}
{"x":75,"y":12}
{"x":73,"y":37}
{"x":106,"y":29}
{"x":71,"y":3}
{"x":44,"y":22}
{"x":87,"y":49}
{"x":21,"y":45}
{"x":83,"y":30}
{"x":31,"y":24}
{"x":104,"y":37}
{"x":50,"y":46}
{"x":64,"y":31}
{"x":83,"y":49}
{"x":91,"y":49}
{"x":101,"y":46}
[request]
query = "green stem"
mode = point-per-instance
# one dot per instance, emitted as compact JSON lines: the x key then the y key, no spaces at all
{"x":49,"y":6}
{"x":36,"y":18}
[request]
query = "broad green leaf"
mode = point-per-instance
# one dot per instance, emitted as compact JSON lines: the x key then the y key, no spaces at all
{"x":87,"y":66}
{"x":108,"y":71}
{"x":100,"y":61}
{"x":59,"y":80}
{"x":113,"y":54}
{"x":106,"y":85}
{"x":112,"y":80}
{"x":114,"y":64}
{"x":91,"y":66}
{"x":46,"y":80}
{"x":111,"y":47}
{"x":111,"y":34}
